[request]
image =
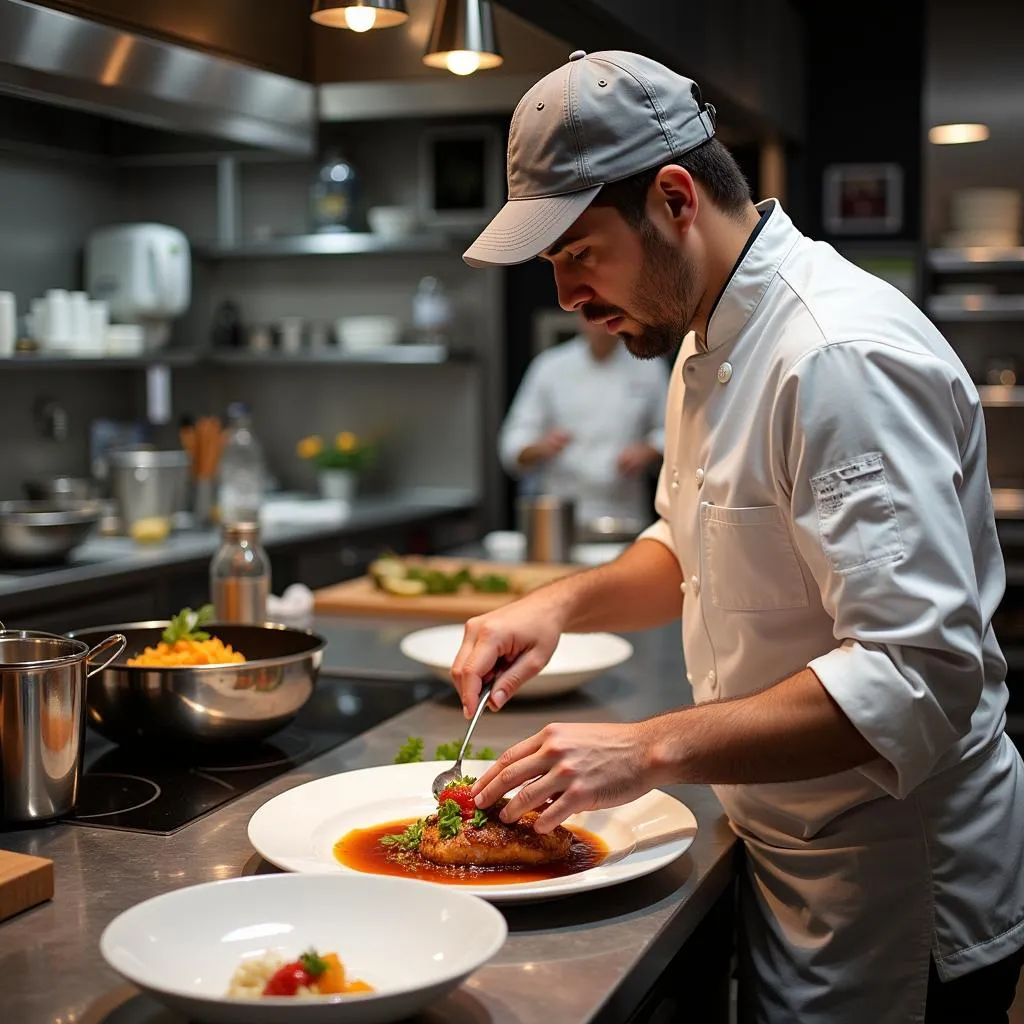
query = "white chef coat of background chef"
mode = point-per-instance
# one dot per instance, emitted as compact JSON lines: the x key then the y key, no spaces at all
{"x":825,"y":491}
{"x":606,"y":405}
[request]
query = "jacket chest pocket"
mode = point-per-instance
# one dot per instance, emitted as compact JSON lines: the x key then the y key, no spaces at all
{"x":749,"y":560}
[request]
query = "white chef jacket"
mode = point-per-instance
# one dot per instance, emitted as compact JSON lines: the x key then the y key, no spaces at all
{"x":825,"y":490}
{"x":605,"y":405}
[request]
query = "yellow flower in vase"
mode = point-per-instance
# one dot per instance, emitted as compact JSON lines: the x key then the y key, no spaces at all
{"x":310,"y":447}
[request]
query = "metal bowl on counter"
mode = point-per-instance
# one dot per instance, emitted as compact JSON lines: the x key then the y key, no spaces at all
{"x":61,"y":488}
{"x":609,"y":529}
{"x":43,"y":532}
{"x":206,"y":703}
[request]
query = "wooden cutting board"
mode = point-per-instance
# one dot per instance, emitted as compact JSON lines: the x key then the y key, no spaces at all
{"x":24,"y":882}
{"x":362,"y":597}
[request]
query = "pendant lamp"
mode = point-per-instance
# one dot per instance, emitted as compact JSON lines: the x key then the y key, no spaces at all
{"x":462,"y":38}
{"x":359,"y":15}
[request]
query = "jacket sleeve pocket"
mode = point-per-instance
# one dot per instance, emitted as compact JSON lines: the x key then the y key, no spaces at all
{"x":856,"y":519}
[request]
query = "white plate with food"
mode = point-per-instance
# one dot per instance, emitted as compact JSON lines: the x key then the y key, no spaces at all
{"x":385,"y":821}
{"x":341,"y":948}
{"x":578,"y":658}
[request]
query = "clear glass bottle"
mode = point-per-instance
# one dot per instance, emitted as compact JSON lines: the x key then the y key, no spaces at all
{"x":240,"y":575}
{"x":242,"y":474}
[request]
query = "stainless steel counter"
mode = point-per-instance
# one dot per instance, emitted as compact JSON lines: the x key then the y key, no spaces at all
{"x":566,"y":961}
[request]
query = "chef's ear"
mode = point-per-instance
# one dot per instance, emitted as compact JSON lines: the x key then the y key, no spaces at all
{"x":673,"y":198}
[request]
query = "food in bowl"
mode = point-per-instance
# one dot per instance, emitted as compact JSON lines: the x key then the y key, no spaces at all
{"x":462,"y":844}
{"x":311,"y":975}
{"x":182,"y":644}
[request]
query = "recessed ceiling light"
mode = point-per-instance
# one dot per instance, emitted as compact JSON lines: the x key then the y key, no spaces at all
{"x":953,"y":134}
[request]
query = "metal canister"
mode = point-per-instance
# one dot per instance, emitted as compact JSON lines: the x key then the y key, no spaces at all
{"x":549,"y":525}
{"x":240,"y":576}
{"x":42,"y":720}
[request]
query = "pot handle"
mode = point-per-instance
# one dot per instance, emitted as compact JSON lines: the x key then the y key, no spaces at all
{"x":118,"y":640}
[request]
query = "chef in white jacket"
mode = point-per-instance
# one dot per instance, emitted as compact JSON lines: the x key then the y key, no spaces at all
{"x":587,"y":423}
{"x":825,"y":510}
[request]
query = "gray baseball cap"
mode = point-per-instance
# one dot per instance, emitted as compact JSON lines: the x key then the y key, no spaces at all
{"x":600,"y":118}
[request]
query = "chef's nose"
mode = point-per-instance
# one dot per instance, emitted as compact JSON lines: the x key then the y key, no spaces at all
{"x":572,"y":291}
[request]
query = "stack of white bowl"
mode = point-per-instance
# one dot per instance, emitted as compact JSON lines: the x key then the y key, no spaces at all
{"x":984,"y":217}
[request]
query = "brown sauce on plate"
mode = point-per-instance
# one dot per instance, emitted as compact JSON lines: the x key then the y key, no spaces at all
{"x":361,"y":850}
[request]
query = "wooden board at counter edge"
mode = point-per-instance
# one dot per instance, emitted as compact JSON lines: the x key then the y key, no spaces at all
{"x":361,"y":596}
{"x":25,"y":881}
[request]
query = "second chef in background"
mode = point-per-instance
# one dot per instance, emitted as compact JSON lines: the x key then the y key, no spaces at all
{"x":588,"y":423}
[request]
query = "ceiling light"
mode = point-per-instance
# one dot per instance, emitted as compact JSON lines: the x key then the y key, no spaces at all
{"x":952,"y":134}
{"x":359,"y":15}
{"x":462,"y":38}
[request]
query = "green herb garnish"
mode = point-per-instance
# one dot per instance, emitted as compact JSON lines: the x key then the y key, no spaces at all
{"x":411,"y":750}
{"x":449,"y":819}
{"x":479,"y":819}
{"x":492,"y":583}
{"x":183,"y":625}
{"x":410,"y":839}
{"x":465,"y":780}
{"x":312,"y":963}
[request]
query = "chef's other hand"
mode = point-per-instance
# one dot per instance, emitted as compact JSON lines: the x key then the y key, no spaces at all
{"x":635,"y":458}
{"x":579,"y":767}
{"x":524,"y":634}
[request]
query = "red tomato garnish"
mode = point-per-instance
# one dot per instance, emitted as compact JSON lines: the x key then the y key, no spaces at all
{"x":287,"y":980}
{"x":462,"y":795}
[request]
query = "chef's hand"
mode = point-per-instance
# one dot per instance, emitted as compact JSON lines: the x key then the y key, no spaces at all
{"x":580,"y":767}
{"x":524,"y":634}
{"x":636,"y":457}
{"x":547,"y":448}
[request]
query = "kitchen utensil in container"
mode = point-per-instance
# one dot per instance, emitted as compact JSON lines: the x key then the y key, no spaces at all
{"x":44,"y":532}
{"x":210,"y":703}
{"x":149,"y":487}
{"x":42,"y":719}
{"x":203,"y":441}
{"x":548,"y":522}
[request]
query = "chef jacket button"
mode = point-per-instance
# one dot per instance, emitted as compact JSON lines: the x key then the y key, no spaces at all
{"x":695,"y":585}
{"x":689,"y":677}
{"x":682,"y":587}
{"x":699,"y":476}
{"x":712,"y":677}
{"x":725,"y":373}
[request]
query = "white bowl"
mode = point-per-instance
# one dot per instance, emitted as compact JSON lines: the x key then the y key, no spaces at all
{"x":363,"y":333}
{"x":412,"y":941}
{"x":578,"y":658}
{"x":392,"y":221}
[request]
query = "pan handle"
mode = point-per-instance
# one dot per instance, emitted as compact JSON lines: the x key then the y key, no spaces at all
{"x":118,"y":640}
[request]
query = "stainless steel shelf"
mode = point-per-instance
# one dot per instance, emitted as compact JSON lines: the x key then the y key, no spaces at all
{"x":42,"y":361}
{"x":329,"y":244}
{"x":407,"y":355}
{"x":996,"y":395}
{"x":976,"y":307}
{"x":393,"y":355}
{"x":980,"y":258}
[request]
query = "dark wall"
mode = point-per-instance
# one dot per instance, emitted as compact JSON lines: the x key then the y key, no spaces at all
{"x":864,"y":90}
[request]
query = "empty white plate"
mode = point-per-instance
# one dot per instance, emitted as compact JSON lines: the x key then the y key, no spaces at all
{"x":578,"y":658}
{"x":411,"y":941}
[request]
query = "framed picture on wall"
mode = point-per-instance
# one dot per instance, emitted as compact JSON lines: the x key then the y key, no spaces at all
{"x":863,"y":199}
{"x":462,"y":176}
{"x":553,"y":326}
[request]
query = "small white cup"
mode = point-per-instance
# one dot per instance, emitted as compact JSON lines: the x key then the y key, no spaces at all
{"x":58,"y":319}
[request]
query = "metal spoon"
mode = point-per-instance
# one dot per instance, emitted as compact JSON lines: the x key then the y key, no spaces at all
{"x":447,"y":778}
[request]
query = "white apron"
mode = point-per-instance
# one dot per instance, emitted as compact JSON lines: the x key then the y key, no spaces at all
{"x":825,"y":491}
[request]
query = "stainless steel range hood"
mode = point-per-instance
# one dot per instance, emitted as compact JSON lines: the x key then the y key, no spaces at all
{"x":68,"y":61}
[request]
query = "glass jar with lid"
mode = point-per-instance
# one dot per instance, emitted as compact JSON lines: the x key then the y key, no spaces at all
{"x":240,"y":575}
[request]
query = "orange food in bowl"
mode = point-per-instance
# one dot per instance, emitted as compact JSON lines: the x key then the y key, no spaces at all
{"x":186,"y":654}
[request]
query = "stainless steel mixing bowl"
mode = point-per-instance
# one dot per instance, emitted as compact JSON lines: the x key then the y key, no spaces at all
{"x":208,"y":703}
{"x":41,"y":532}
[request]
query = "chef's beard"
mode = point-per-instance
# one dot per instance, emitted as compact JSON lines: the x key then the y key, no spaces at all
{"x":664,"y":300}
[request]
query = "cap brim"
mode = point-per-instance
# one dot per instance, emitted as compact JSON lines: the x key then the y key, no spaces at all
{"x":524,"y":228}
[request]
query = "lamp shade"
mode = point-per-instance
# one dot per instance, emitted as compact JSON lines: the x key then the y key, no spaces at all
{"x":359,"y":15}
{"x":462,"y":38}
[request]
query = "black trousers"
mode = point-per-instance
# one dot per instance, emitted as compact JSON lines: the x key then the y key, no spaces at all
{"x":982,"y":997}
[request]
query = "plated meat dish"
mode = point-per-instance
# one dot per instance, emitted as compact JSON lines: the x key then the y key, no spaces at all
{"x":462,"y":844}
